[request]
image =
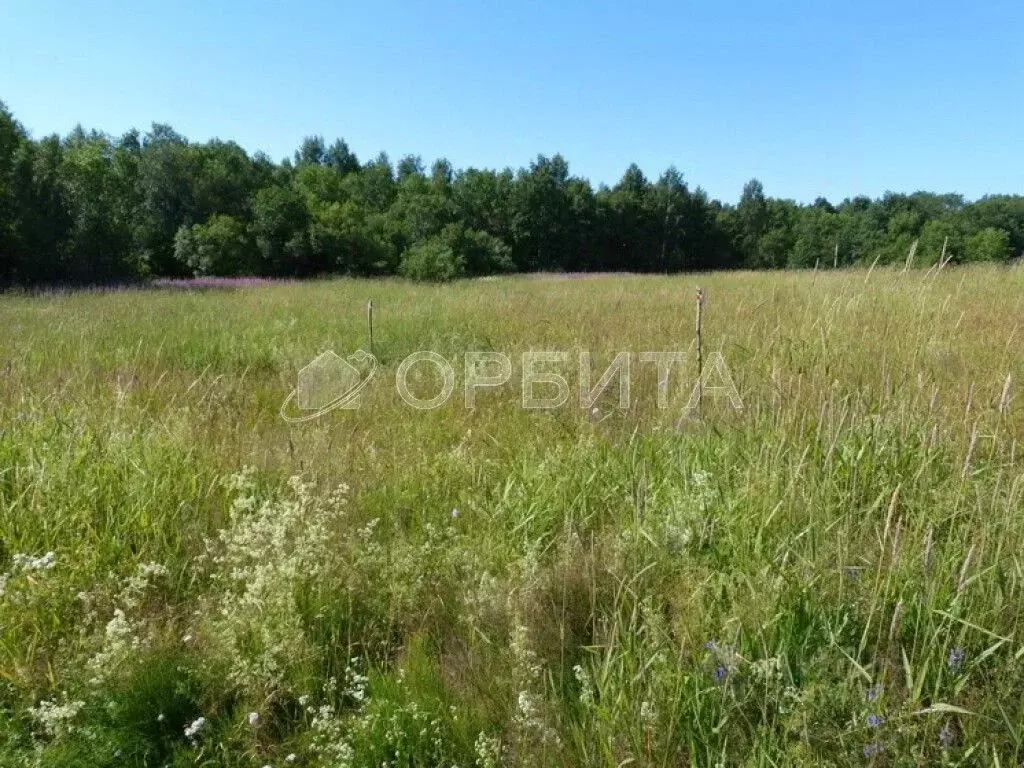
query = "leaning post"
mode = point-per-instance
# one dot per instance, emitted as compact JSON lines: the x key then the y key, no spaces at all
{"x":700,"y":352}
{"x":369,"y":323}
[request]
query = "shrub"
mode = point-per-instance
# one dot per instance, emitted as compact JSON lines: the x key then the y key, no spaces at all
{"x":433,"y":260}
{"x":483,"y":254}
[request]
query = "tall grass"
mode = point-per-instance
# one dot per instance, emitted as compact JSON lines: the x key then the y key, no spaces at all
{"x":829,"y":577}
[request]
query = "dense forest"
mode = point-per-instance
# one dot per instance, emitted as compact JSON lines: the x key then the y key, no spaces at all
{"x":90,"y":208}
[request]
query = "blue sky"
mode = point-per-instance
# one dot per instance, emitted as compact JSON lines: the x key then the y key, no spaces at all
{"x":812,"y":97}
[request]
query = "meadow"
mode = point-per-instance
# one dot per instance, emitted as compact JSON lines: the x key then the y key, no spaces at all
{"x":830,"y":576}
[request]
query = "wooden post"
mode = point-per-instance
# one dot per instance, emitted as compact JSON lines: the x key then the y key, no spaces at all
{"x":835,"y":257}
{"x":700,"y":352}
{"x":369,"y":323}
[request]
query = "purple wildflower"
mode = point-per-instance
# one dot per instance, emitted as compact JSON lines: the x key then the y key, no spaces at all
{"x":720,"y":673}
{"x":875,"y":720}
{"x":201,"y":282}
{"x":946,"y":736}
{"x":956,"y":658}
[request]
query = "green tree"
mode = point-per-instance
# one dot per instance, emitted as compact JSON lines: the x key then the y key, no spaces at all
{"x":751,"y":223}
{"x":816,"y":237}
{"x":482,"y":200}
{"x":100,"y":242}
{"x":989,"y":244}
{"x":942,"y":236}
{"x":165,"y":198}
{"x":1002,"y":212}
{"x":346,"y":238}
{"x":280,"y":223}
{"x":410,"y":165}
{"x":423,"y":206}
{"x":220,"y":246}
{"x":92,"y":208}
{"x":312,"y":151}
{"x":631,"y":240}
{"x":12,"y":135}
{"x":43,"y":221}
{"x":374,"y":186}
{"x":541,"y":231}
{"x":341,"y":158}
{"x":222,"y":178}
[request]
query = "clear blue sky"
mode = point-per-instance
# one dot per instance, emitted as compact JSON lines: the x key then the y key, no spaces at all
{"x":811,"y":96}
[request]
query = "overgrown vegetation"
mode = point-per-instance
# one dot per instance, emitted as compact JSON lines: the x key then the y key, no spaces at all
{"x":830,"y":577}
{"x":91,"y":208}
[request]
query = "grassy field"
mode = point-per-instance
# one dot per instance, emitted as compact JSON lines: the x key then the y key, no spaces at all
{"x":831,"y":576}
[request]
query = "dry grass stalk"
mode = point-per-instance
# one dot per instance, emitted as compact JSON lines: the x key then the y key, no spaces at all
{"x":910,"y":256}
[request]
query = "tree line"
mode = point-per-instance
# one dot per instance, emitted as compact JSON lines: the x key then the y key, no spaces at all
{"x":91,"y":208}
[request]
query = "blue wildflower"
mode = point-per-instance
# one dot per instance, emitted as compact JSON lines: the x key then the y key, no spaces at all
{"x":875,"y":720}
{"x":720,"y":673}
{"x":870,"y":750}
{"x":874,"y":692}
{"x":956,"y":658}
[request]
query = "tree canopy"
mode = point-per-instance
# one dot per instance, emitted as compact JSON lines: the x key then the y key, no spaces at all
{"x":91,"y":208}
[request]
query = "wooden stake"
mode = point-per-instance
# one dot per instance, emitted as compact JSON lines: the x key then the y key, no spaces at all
{"x":700,"y":352}
{"x":835,"y":257}
{"x":369,"y":322}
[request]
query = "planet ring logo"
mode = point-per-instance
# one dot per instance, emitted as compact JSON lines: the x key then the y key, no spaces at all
{"x":329,"y":382}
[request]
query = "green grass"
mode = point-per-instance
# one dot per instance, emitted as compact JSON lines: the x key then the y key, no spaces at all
{"x":625,"y":587}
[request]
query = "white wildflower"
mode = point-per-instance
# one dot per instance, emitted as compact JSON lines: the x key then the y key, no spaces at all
{"x":30,"y":563}
{"x":56,"y":718}
{"x":527,"y":706}
{"x":356,"y":683}
{"x":648,"y":713}
{"x":254,"y":719}
{"x":703,"y":490}
{"x":329,"y":737}
{"x":586,"y":685}
{"x":530,"y":719}
{"x":122,"y":637}
{"x":488,"y":751}
{"x":268,"y":548}
{"x":526,"y":659}
{"x":193,"y":729}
